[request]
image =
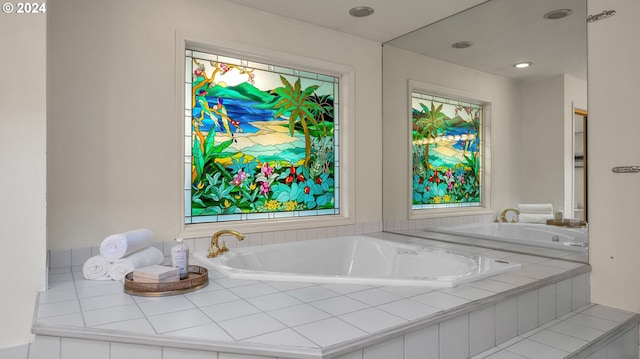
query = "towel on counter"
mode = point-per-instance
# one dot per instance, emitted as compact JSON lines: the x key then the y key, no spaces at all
{"x":120,"y":245}
{"x":541,"y":208}
{"x":534,"y":217}
{"x":144,"y":258}
{"x":96,"y":268}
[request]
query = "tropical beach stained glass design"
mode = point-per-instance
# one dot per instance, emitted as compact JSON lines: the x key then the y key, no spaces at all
{"x":446,"y":151}
{"x":262,"y":141}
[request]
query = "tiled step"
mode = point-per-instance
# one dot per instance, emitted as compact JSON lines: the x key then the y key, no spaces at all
{"x":591,"y":332}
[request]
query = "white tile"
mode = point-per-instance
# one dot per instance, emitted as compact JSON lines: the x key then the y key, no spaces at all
{"x":19,"y":352}
{"x":340,"y":331}
{"x":73,"y":320}
{"x":346,"y":288}
{"x":45,"y":347}
{"x":209,"y":331}
{"x":310,"y":294}
{"x":393,"y":348}
{"x":229,"y":310}
{"x":106,"y":301}
{"x":440,"y":300}
{"x":527,"y":311}
{"x":58,"y":308}
{"x":121,"y":350}
{"x":504,"y":354}
{"x":422,"y":344}
{"x":250,"y":326}
{"x":513,"y":279}
{"x":55,"y":295}
{"x":493,"y":285}
{"x":178,"y":320}
{"x":576,"y":330}
{"x":274,"y":301}
{"x":174,"y":353}
{"x":141,"y":326}
{"x":80,"y":255}
{"x":592,"y":322}
{"x":60,"y":258}
{"x":409,"y":309}
{"x":630,"y":343}
{"x":339,"y":305}
{"x":78,"y":348}
{"x":482,"y":330}
{"x":406,"y":292}
{"x":558,"y":340}
{"x":162,"y":305}
{"x":203,"y":299}
{"x":284,"y":337}
{"x":468,"y":292}
{"x":240,"y":356}
{"x":372,"y":320}
{"x":530,"y":349}
{"x":454,"y":338}
{"x":111,"y":315}
{"x":299,"y":314}
{"x":374,"y":297}
{"x":353,"y":355}
{"x":101,"y":289}
{"x":563,"y":297}
{"x":546,"y":304}
{"x":232,"y":283}
{"x":608,"y":313}
{"x":579,"y":291}
{"x":253,"y":290}
{"x":285,"y":286}
{"x":506,"y":319}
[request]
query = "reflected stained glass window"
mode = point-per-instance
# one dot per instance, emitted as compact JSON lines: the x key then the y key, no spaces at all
{"x":446,"y":152}
{"x":261,"y":141}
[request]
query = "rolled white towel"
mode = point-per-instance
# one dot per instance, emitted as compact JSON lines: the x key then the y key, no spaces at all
{"x":534,"y":217}
{"x":144,"y":258}
{"x":117,"y":246}
{"x":541,"y":208}
{"x":96,"y":268}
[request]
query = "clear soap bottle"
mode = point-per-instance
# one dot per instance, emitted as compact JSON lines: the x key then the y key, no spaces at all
{"x":180,"y":258}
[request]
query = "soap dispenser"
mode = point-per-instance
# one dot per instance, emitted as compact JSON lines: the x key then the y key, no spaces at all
{"x":180,"y":258}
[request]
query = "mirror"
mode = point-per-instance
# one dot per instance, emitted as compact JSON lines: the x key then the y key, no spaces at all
{"x":533,"y":138}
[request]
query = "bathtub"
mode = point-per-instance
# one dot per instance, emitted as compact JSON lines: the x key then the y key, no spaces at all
{"x":541,"y":235}
{"x":356,"y":260}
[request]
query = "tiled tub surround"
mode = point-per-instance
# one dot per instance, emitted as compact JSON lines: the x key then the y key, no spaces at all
{"x":268,"y":319}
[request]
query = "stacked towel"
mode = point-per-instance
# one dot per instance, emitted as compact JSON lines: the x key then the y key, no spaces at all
{"x":117,"y":246}
{"x":144,"y":258}
{"x":535,"y":213}
{"x":121,"y":254}
{"x":96,"y":268}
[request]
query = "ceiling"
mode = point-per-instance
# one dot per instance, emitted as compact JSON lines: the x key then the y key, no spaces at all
{"x":503,"y":32}
{"x":389,"y":20}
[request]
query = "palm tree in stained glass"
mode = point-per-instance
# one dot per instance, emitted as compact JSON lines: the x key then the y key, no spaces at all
{"x":428,"y":124}
{"x":297,"y":103}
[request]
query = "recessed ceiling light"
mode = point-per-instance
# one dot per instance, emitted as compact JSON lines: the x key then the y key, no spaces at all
{"x":462,"y":44}
{"x":558,"y":14}
{"x":361,"y":11}
{"x":522,"y":65}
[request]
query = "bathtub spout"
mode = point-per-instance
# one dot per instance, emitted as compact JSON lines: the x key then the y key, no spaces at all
{"x":215,"y":249}
{"x":503,"y":216}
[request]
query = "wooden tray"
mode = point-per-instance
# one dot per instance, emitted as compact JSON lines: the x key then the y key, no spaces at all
{"x":198,"y":279}
{"x":571,"y":223}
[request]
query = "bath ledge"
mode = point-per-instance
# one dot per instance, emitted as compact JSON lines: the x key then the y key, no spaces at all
{"x":280,"y":351}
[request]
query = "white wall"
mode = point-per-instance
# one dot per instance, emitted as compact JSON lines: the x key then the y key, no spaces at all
{"x":547,"y":115}
{"x":614,"y":199}
{"x":399,"y":66}
{"x":112,"y":130}
{"x":22,"y":164}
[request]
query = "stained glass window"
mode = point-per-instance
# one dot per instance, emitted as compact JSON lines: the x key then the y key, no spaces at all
{"x":262,"y":141}
{"x":446,"y":152}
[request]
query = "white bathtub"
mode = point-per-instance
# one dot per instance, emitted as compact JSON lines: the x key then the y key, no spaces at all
{"x":356,"y":260}
{"x":541,"y":235}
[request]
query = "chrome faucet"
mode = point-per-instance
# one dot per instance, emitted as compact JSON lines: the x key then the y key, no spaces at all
{"x":503,"y":216}
{"x":214,"y":249}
